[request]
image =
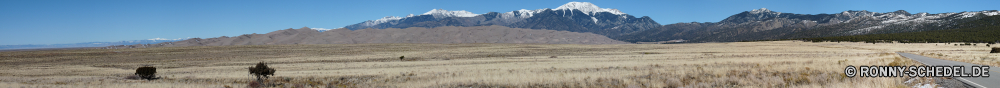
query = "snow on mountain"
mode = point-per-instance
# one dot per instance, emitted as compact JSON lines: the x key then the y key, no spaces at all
{"x":587,"y":8}
{"x":904,"y":18}
{"x":523,"y":13}
{"x":923,"y":17}
{"x":512,"y":16}
{"x":323,"y":29}
{"x":854,"y":22}
{"x":445,"y":13}
{"x":991,"y":13}
{"x":594,"y":19}
{"x":763,"y":10}
{"x":896,"y":17}
{"x":615,"y":23}
{"x":437,"y":13}
{"x":382,"y":20}
{"x":888,"y":19}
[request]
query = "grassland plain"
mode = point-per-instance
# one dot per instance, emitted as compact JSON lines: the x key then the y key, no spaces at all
{"x":734,"y":64}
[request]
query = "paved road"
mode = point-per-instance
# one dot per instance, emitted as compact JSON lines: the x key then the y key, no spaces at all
{"x":984,"y":82}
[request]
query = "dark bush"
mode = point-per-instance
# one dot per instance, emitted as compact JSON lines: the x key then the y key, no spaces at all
{"x":148,"y":73}
{"x":261,"y":71}
{"x":995,"y":50}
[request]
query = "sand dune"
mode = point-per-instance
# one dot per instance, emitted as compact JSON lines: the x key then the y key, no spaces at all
{"x":438,"y":35}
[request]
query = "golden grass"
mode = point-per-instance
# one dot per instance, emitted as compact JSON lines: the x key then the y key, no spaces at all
{"x":737,"y":64}
{"x":968,"y":54}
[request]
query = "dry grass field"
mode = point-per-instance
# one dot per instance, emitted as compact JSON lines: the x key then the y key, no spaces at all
{"x":736,"y":64}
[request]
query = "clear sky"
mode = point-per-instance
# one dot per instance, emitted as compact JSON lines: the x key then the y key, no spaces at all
{"x":75,"y":21}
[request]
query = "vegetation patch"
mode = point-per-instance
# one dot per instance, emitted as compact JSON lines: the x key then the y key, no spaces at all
{"x":262,"y":72}
{"x":148,"y":73}
{"x":995,"y":50}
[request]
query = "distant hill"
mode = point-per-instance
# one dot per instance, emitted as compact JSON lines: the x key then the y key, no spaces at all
{"x":437,"y":35}
{"x":86,"y":44}
{"x":985,"y":30}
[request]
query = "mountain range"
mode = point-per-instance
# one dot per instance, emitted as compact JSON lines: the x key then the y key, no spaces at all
{"x":573,"y":16}
{"x":764,"y":24}
{"x":757,"y":24}
{"x":586,"y":23}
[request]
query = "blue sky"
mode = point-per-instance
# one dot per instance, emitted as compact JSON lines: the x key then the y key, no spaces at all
{"x":74,"y":21}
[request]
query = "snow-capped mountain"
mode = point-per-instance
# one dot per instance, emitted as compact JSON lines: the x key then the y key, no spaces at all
{"x":761,"y":24}
{"x":588,"y":8}
{"x":441,"y":13}
{"x":436,"y":13}
{"x":322,"y":29}
{"x":379,"y":21}
{"x":573,"y":16}
{"x":865,"y":22}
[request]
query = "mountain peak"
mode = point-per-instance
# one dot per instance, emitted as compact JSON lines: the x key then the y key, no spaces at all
{"x":900,"y":12}
{"x":761,"y":10}
{"x":446,"y":13}
{"x":578,"y":5}
{"x":587,"y":8}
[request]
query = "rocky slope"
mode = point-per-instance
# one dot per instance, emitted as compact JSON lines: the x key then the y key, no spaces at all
{"x":438,"y":35}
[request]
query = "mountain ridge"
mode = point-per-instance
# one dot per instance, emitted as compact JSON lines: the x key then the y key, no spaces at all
{"x":573,"y":16}
{"x":765,"y":24}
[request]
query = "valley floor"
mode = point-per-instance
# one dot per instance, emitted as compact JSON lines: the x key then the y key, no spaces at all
{"x":735,"y":64}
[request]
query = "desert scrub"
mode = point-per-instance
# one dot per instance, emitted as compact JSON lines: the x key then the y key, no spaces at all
{"x":262,"y":72}
{"x":995,"y":50}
